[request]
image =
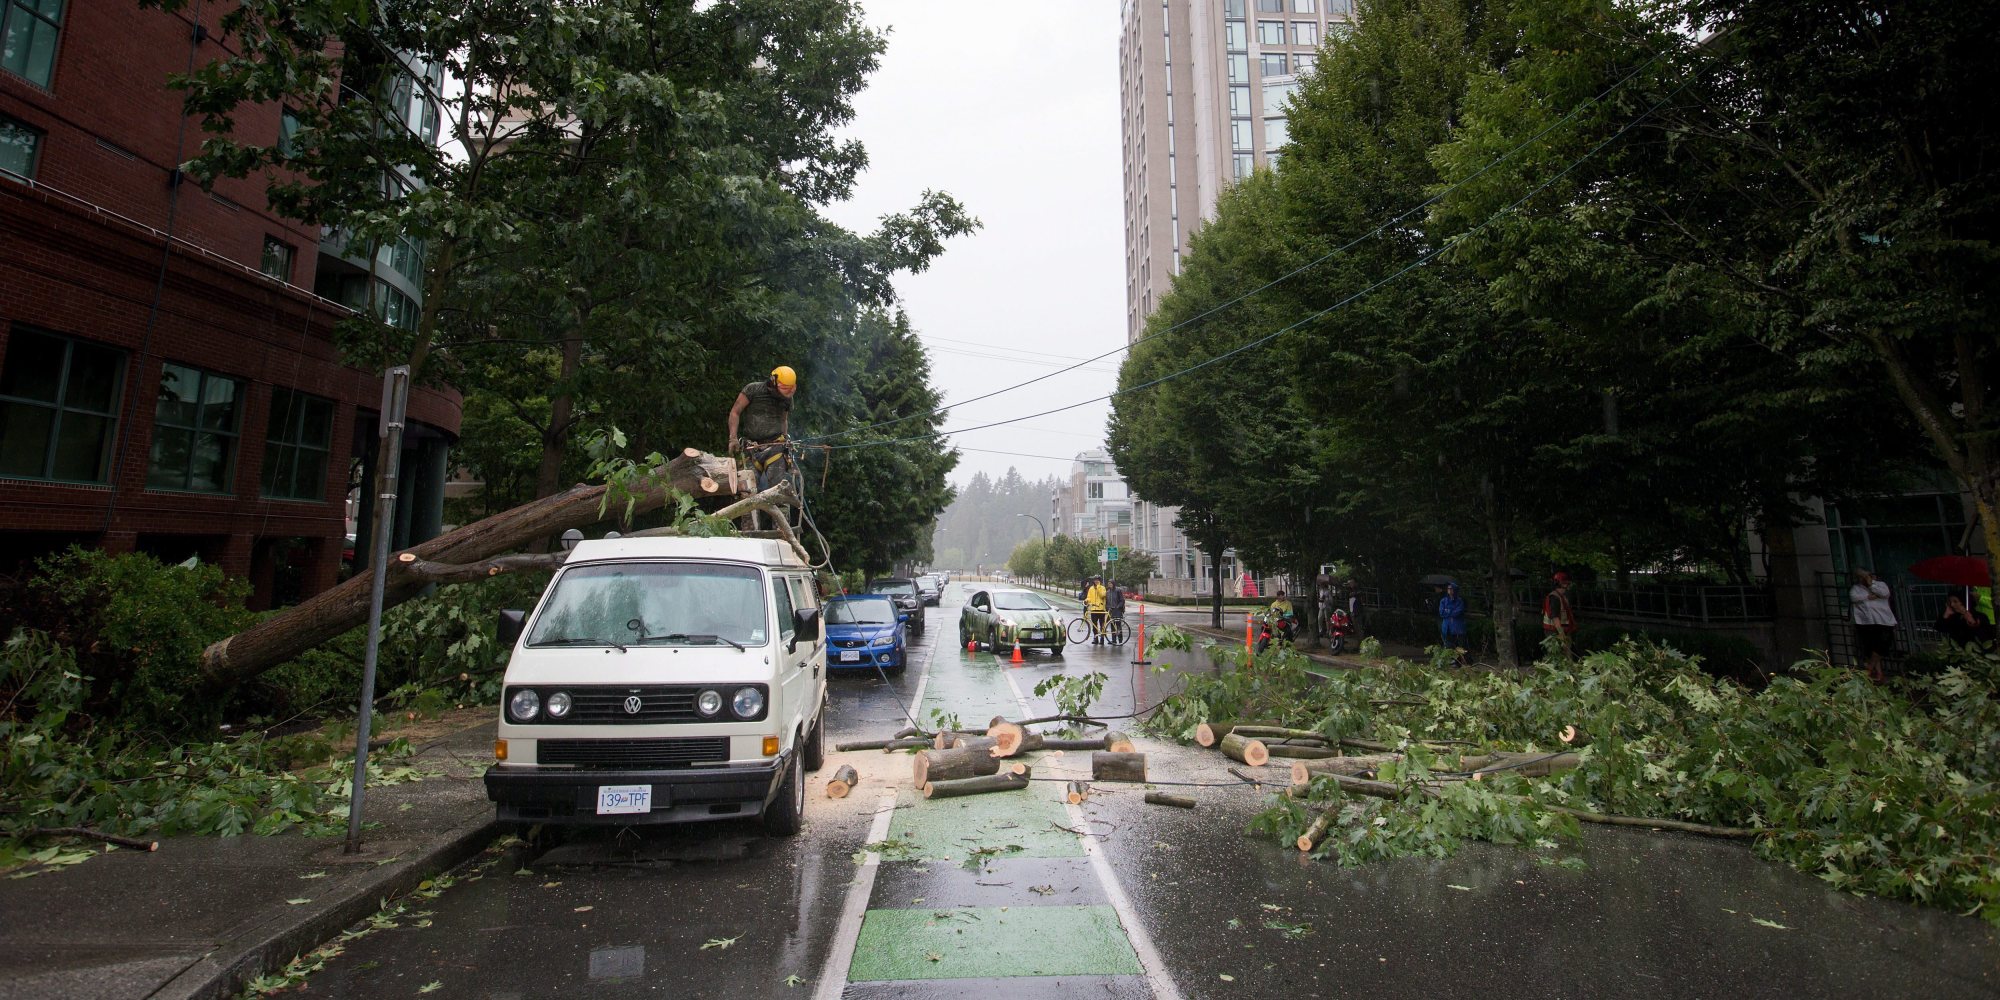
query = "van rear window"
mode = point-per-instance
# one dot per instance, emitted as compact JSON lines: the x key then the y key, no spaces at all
{"x":629,"y":604}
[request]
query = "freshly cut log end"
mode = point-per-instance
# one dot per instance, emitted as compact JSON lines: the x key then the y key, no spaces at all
{"x":1078,"y":791}
{"x":1108,"y":766}
{"x":1300,"y":789}
{"x":931,"y":766}
{"x":1006,"y":736}
{"x":842,"y":782}
{"x":1317,"y":831}
{"x":1164,"y":799}
{"x":1116,"y":742}
{"x":976,"y":786}
{"x":1209,"y":734}
{"x":1013,"y":767}
{"x":1239,"y":747}
{"x":1575,"y":737}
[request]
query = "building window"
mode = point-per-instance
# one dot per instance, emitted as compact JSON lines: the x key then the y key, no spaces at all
{"x":1239,"y":134}
{"x":20,"y":146}
{"x":1275,"y":95}
{"x":58,"y":406}
{"x":297,"y":442}
{"x":278,"y":258}
{"x":1239,"y":68}
{"x":28,"y":30}
{"x":1303,"y":6}
{"x":1270,"y":6}
{"x":195,"y":426}
{"x":1304,"y":63}
{"x":1305,"y":33}
{"x":1270,"y":32}
{"x":1340,"y":8}
{"x":1271,"y":64}
{"x":1275,"y":133}
{"x":288,"y":130}
{"x":1093,"y":491}
{"x":1243,"y":164}
{"x":1239,"y":102}
{"x":1236,"y":35}
{"x":1232,"y":8}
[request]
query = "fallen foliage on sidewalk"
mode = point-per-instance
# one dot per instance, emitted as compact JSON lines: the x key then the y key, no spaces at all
{"x":1890,"y":789}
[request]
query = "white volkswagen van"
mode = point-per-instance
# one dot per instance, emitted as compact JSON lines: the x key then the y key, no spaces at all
{"x":663,"y":680}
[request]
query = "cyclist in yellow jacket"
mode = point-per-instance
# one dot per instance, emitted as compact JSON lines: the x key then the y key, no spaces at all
{"x":1093,"y":605}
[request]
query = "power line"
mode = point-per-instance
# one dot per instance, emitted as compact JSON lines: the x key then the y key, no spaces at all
{"x":1421,"y":260}
{"x":1287,"y":276}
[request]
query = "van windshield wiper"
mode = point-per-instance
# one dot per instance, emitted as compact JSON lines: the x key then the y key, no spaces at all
{"x":695,"y":637}
{"x":581,"y":641}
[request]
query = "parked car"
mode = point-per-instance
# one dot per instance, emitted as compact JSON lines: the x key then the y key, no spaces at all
{"x":866,"y":631}
{"x":1001,"y":617}
{"x":904,"y":593}
{"x":930,"y":587}
{"x":663,"y":680}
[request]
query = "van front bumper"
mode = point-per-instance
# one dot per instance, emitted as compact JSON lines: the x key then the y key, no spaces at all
{"x":525,"y":793}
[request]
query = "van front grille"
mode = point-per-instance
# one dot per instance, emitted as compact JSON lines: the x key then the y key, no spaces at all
{"x":618,"y":754}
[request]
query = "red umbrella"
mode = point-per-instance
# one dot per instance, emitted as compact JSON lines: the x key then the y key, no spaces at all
{"x":1960,"y":571}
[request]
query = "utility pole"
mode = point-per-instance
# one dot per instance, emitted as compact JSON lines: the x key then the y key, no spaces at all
{"x":395,"y":403}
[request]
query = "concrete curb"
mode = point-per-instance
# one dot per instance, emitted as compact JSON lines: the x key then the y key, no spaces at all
{"x":270,"y":942}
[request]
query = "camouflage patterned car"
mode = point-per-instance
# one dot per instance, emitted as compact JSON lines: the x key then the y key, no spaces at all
{"x":1000,"y":617}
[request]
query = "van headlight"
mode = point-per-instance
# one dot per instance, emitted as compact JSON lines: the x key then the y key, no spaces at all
{"x":525,"y":705}
{"x":558,"y":704}
{"x":748,"y":703}
{"x":708,"y":702}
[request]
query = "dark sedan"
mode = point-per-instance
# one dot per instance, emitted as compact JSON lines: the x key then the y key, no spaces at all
{"x":904,"y":593}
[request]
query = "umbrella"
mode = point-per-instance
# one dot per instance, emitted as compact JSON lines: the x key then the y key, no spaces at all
{"x":1437,"y":580}
{"x":1960,"y":571}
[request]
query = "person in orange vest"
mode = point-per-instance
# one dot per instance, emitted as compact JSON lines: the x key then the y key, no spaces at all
{"x":1558,"y":615}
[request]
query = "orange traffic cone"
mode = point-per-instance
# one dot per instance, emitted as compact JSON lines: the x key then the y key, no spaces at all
{"x":972,"y":645}
{"x":1017,"y":652}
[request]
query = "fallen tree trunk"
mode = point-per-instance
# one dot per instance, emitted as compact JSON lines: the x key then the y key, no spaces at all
{"x":1299,"y":751}
{"x":1273,"y":733}
{"x":1240,"y":747}
{"x":326,"y":615}
{"x":1107,"y":766}
{"x":1006,"y":737}
{"x":1164,"y":799}
{"x":842,"y":782}
{"x":951,"y":765}
{"x":1209,"y":734}
{"x":1118,"y":742}
{"x":1317,"y":831}
{"x":976,"y":786}
{"x":946,"y":737}
{"x":883,"y":745}
{"x":1527,"y":765}
{"x":1032,"y":742}
{"x":1388,"y":790}
{"x":1359,"y":767}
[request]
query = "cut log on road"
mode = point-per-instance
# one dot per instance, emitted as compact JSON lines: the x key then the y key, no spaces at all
{"x":945,"y":737}
{"x":1006,"y":736}
{"x":1317,"y":831}
{"x":326,"y":615}
{"x":950,"y":765}
{"x":1272,"y":734}
{"x":882,"y":745}
{"x":1107,"y":766}
{"x":1209,"y":734}
{"x":842,"y":782}
{"x":1013,"y":767}
{"x":1527,"y":765}
{"x":1362,"y":766}
{"x":1078,"y":791}
{"x":1575,"y":737}
{"x":1240,"y":747}
{"x":1299,"y":751}
{"x":983,"y":743}
{"x":1163,"y":799}
{"x":976,"y":786}
{"x":1052,"y":743}
{"x":1117,"y":742}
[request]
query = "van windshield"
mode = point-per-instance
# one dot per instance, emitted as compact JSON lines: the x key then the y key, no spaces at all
{"x":690,"y":604}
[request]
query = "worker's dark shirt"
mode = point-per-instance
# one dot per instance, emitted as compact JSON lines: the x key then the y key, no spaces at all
{"x":764,"y":418}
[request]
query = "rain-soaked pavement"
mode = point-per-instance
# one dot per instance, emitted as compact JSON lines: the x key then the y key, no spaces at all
{"x":1022,"y":895}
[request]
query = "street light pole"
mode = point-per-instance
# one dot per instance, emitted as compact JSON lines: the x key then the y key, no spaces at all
{"x":1045,"y":533}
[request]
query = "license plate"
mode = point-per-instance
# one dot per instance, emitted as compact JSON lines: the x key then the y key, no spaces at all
{"x":849,"y":656}
{"x":616,"y":800}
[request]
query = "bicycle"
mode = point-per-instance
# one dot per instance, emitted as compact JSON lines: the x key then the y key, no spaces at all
{"x":1116,"y":632}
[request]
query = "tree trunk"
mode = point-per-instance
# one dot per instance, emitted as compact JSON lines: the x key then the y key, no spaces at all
{"x":326,"y":615}
{"x":1118,"y":742}
{"x":976,"y":786}
{"x":1118,"y":767}
{"x":1237,"y":746}
{"x":1164,"y":799}
{"x":555,"y":439}
{"x":842,"y":782}
{"x":1271,"y":733}
{"x":1317,"y":831}
{"x":1209,"y":734}
{"x":950,"y":765}
{"x":1362,"y":766}
{"x":1297,"y":751}
{"x":1215,"y":584}
{"x":1499,"y":547}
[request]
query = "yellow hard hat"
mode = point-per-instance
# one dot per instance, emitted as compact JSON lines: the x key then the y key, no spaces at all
{"x":785,"y":375}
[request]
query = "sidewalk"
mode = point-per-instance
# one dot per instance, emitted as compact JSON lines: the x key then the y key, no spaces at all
{"x":205,"y":915}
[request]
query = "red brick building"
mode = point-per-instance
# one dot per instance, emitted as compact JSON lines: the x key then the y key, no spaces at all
{"x":167,"y":381}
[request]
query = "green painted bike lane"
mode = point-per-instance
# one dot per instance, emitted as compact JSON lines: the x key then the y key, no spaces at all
{"x":988,"y":890}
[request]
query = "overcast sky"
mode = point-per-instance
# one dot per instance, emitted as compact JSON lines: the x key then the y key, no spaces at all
{"x":1013,"y":109}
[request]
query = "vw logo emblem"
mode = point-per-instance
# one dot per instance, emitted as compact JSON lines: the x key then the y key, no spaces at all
{"x":632,"y":705}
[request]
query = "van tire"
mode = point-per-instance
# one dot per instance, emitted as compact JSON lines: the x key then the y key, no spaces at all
{"x":785,"y":816}
{"x":815,"y":742}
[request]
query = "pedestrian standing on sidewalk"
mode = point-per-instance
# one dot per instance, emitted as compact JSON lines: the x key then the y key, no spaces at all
{"x":1559,"y":616}
{"x":1093,"y":609}
{"x":1874,"y":621}
{"x":1451,"y":622}
{"x":1114,"y":601}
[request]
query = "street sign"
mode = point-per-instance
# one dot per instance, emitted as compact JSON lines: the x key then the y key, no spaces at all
{"x":1110,"y":554}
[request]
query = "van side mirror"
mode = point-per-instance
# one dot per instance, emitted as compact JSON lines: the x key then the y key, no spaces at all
{"x":512,"y":623}
{"x":805,"y":627}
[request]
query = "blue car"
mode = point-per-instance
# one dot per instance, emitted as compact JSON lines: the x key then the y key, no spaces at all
{"x":866,"y":631}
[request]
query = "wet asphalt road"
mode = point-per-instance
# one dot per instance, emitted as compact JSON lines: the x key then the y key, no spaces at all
{"x":646,"y":912}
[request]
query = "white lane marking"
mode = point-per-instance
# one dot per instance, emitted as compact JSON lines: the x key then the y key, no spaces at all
{"x":1157,"y":979}
{"x":840,"y":957}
